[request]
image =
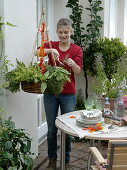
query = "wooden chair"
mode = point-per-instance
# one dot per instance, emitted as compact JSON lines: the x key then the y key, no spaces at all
{"x":116,"y":156}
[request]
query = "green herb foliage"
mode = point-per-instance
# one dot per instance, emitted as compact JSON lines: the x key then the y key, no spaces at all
{"x":110,"y":87}
{"x":57,"y":77}
{"x":111,"y":51}
{"x":80,"y":103}
{"x":15,"y":147}
{"x":3,"y":59}
{"x":33,"y":73}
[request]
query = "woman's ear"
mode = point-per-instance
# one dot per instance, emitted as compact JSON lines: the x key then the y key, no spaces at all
{"x":57,"y":31}
{"x":72,"y":31}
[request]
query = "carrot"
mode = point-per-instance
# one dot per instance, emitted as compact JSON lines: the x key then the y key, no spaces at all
{"x":91,"y":129}
{"x":72,"y":117}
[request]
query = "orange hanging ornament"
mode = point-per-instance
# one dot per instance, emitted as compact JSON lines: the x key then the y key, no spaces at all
{"x":41,"y":52}
{"x":42,"y":66}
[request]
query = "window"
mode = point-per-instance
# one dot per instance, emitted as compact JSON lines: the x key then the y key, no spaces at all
{"x":125,"y":22}
{"x":112,"y":22}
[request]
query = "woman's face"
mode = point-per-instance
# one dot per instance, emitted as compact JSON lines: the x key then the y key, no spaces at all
{"x":64,"y":33}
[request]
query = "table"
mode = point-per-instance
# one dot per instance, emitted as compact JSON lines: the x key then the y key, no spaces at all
{"x":118,"y":135}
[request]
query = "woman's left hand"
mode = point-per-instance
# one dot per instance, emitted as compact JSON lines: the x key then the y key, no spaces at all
{"x":70,"y":62}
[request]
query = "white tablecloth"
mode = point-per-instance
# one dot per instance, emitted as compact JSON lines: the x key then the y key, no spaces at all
{"x":71,"y":123}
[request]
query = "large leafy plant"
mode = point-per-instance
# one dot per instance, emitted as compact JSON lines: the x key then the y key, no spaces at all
{"x":110,"y":87}
{"x":33,"y":73}
{"x":30,"y":73}
{"x":15,"y":145}
{"x":111,"y":51}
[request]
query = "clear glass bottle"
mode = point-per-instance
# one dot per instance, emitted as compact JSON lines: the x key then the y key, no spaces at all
{"x":119,"y":105}
{"x":106,"y":107}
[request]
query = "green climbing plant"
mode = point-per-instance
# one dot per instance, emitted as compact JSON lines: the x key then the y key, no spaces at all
{"x":86,"y":40}
{"x":4,"y":62}
{"x":76,"y":18}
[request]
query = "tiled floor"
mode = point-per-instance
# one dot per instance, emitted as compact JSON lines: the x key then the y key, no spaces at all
{"x":79,"y":156}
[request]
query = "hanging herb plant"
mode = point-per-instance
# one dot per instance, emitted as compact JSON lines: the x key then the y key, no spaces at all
{"x":33,"y":74}
{"x":21,"y":73}
{"x":58,"y":76}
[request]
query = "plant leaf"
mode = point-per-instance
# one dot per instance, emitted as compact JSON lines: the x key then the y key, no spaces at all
{"x":8,"y":145}
{"x":43,"y":87}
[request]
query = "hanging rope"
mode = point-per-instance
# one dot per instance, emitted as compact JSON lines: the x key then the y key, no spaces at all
{"x":35,"y":42}
{"x":44,"y":38}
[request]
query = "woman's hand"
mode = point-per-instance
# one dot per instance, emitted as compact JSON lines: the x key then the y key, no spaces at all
{"x":70,"y":62}
{"x":76,"y":69}
{"x":52,"y":51}
{"x":55,"y":53}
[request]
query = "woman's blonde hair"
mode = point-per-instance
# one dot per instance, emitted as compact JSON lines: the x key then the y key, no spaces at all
{"x":64,"y":22}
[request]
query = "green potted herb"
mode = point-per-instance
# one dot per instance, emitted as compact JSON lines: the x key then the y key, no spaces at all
{"x":80,"y":100}
{"x":110,"y":87}
{"x":110,"y":66}
{"x":58,"y":76}
{"x":15,"y":145}
{"x":111,"y":51}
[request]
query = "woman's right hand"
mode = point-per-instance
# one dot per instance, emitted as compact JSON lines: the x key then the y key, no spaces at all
{"x":52,"y":51}
{"x":55,"y":53}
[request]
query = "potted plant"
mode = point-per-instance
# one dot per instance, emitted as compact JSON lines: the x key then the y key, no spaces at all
{"x":33,"y":80}
{"x":58,"y":76}
{"x":15,"y":147}
{"x":80,"y":100}
{"x":111,"y":51}
{"x":104,"y":86}
{"x":110,"y":67}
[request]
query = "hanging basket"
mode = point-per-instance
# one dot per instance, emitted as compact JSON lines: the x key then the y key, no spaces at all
{"x":31,"y":87}
{"x":54,"y":88}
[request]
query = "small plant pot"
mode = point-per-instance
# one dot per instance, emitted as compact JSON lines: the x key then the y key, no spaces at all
{"x":54,"y":87}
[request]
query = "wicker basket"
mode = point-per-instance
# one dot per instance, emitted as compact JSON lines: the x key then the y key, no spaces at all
{"x":31,"y":87}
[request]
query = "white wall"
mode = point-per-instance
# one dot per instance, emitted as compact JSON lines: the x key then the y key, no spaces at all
{"x":50,"y":19}
{"x":18,"y":44}
{"x":60,"y":11}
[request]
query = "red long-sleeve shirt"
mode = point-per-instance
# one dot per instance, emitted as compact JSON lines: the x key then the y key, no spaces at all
{"x":75,"y":53}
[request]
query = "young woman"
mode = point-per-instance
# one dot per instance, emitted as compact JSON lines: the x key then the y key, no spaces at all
{"x":71,"y":56}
